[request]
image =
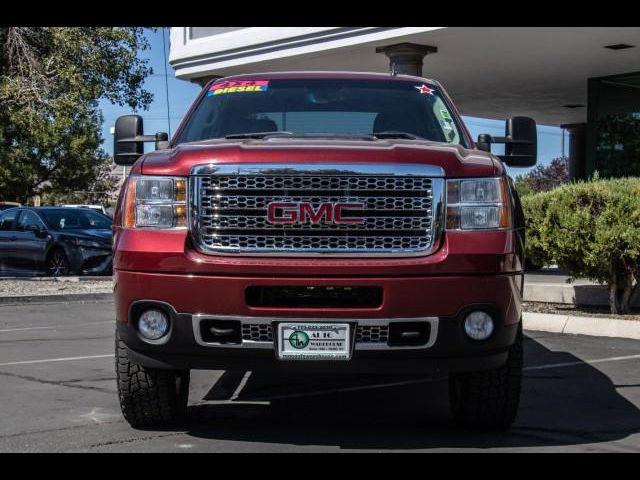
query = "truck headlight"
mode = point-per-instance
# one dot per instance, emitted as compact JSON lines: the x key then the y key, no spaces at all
{"x":478,"y":204}
{"x":155,"y":202}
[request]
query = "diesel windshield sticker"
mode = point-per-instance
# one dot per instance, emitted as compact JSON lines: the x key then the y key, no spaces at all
{"x":424,"y":89}
{"x":231,"y":86}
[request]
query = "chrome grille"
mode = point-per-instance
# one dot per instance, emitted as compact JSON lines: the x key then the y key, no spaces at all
{"x":263,"y":332}
{"x":371,"y":223}
{"x":257,"y":332}
{"x":401,"y":208}
{"x":313,"y":182}
{"x":317,"y":243}
{"x":372,"y":334}
{"x":211,"y":200}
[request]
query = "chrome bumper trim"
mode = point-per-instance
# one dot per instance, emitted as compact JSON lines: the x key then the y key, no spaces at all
{"x":197,"y":318}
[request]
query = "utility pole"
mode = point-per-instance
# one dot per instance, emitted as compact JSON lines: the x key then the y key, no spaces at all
{"x":112,"y":131}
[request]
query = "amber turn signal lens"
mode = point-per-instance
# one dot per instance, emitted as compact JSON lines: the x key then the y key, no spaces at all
{"x":180,"y":215}
{"x":453,"y":192}
{"x":453,"y":218}
{"x":505,"y":211}
{"x":129,"y":209}
{"x":180,"y":190}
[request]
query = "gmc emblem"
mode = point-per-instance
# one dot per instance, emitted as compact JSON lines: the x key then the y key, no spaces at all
{"x":304,"y":212}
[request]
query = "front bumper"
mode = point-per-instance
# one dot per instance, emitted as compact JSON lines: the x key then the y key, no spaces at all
{"x":91,"y":261}
{"x":446,"y":299}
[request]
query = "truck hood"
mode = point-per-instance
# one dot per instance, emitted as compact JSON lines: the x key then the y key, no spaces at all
{"x":456,"y":161}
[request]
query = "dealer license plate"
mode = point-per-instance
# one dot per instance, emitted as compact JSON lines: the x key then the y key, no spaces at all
{"x":314,"y":341}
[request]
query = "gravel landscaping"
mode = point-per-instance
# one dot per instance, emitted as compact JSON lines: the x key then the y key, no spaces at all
{"x":53,"y":286}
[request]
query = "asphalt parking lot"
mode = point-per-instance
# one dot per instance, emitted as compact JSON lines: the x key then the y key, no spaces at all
{"x":58,"y":393}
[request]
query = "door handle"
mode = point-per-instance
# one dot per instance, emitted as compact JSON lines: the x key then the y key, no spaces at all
{"x":13,"y":239}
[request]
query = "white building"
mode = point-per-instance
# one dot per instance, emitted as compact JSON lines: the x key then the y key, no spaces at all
{"x":576,"y":77}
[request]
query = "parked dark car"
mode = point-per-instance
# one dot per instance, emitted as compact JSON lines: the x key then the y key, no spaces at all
{"x":55,"y":241}
{"x":8,"y":205}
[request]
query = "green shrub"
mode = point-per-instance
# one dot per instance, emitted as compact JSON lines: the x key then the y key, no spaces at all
{"x":590,"y":229}
{"x":535,"y":209}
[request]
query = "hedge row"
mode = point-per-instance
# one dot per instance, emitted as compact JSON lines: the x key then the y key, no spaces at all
{"x":590,"y":229}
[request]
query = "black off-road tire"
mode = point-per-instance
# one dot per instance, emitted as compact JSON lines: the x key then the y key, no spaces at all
{"x":488,"y":400}
{"x":150,"y":397}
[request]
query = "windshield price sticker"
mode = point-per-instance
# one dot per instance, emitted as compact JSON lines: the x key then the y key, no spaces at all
{"x":314,"y":341}
{"x":231,"y":86}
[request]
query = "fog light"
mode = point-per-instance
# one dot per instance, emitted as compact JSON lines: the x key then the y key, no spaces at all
{"x":153,"y":324}
{"x":478,"y":325}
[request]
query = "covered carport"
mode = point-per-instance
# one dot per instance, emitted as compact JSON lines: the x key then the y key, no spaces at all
{"x":561,"y":76}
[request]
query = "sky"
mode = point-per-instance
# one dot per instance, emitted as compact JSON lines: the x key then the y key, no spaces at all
{"x":182,"y":93}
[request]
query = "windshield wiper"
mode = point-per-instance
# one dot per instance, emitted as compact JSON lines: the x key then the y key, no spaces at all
{"x":395,"y":134}
{"x":279,"y":133}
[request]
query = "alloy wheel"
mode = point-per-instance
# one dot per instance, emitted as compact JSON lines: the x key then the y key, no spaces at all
{"x":57,"y":265}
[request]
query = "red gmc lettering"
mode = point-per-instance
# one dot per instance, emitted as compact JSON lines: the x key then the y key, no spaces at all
{"x":289,"y":212}
{"x":301,"y":213}
{"x":325,"y":210}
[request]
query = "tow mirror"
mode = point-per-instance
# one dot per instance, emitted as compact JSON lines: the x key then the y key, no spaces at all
{"x":521,"y":142}
{"x":128,"y":140}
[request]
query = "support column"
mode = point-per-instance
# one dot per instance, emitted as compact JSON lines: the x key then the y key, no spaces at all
{"x":406,"y":58}
{"x":577,"y":150}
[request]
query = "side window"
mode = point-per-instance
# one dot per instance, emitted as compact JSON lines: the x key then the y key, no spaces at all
{"x":8,"y":220}
{"x":29,"y":221}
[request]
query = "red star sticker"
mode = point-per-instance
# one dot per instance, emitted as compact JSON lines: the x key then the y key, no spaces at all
{"x":424,"y":89}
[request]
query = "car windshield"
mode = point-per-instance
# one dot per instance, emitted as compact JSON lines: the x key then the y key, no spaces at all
{"x":335,"y":107}
{"x":75,"y":218}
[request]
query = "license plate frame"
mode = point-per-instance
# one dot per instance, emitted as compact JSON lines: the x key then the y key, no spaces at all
{"x":309,"y":341}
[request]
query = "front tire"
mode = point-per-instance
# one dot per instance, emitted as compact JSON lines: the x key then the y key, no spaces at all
{"x":488,"y":400}
{"x":150,"y":397}
{"x":57,"y":264}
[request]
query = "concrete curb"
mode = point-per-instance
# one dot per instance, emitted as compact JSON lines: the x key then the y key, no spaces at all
{"x":571,"y":294}
{"x":102,"y":278}
{"x":573,"y":324}
{"x":63,"y":298}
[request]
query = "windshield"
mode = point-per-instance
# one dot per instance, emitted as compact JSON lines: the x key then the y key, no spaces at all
{"x":323,"y":107}
{"x":75,"y":218}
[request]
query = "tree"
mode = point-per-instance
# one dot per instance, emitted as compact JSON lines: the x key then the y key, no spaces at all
{"x":522,"y":186}
{"x":591,"y":229}
{"x":544,"y":177}
{"x":51,"y":80}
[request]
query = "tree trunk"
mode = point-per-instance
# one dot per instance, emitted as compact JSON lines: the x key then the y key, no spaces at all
{"x":627,"y":295}
{"x":621,"y":290}
{"x":613,"y":298}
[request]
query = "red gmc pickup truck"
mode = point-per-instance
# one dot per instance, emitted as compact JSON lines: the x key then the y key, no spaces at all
{"x":320,"y":221}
